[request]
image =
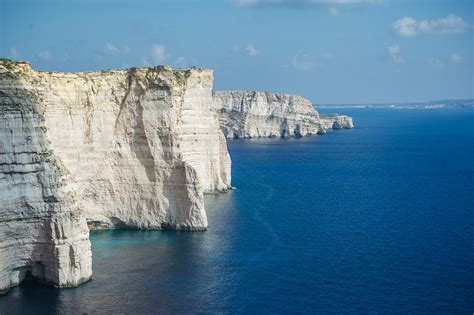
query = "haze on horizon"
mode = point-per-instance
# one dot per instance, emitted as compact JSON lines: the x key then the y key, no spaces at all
{"x":329,"y":51}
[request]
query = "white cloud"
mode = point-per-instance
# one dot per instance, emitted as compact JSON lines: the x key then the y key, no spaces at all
{"x":307,"y":62}
{"x":456,"y":58}
{"x":302,"y":62}
{"x":335,"y":7}
{"x":251,"y":50}
{"x":435,"y":62}
{"x":158,"y":53}
{"x":45,"y":55}
{"x":294,"y":3}
{"x":405,"y":26}
{"x":67,"y":57}
{"x":180,"y":61}
{"x":328,"y":56}
{"x":334,"y":11}
{"x":14,"y":53}
{"x":110,"y":49}
{"x":145,"y":62}
{"x":448,"y":25}
{"x":451,"y":24}
{"x":394,"y":52}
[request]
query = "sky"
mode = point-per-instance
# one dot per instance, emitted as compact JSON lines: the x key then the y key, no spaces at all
{"x":329,"y":51}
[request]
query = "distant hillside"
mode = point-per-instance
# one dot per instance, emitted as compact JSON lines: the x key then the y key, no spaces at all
{"x":438,"y":104}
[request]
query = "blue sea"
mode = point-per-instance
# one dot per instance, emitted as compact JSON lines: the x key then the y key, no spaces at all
{"x":378,"y":219}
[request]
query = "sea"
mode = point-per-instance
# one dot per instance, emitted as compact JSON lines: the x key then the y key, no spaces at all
{"x":377,"y":219}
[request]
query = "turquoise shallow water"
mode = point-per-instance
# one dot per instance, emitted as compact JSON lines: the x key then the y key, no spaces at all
{"x":375,"y":219}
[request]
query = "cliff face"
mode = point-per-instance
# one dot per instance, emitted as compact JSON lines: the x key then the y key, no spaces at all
{"x":133,"y":148}
{"x":42,"y":230}
{"x":245,"y":114}
{"x":250,"y":114}
{"x":336,"y":122}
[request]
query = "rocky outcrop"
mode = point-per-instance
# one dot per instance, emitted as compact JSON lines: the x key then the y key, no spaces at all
{"x":336,"y":121}
{"x":134,"y":148}
{"x":250,"y":114}
{"x":253,"y":114}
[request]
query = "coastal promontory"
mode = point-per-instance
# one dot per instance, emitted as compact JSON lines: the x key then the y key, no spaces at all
{"x":136,"y":148}
{"x":252,"y":114}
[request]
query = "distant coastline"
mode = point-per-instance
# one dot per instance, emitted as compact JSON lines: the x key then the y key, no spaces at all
{"x":439,"y":104}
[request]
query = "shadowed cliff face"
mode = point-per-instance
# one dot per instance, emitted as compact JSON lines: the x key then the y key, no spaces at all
{"x":132,"y":148}
{"x":42,"y":230}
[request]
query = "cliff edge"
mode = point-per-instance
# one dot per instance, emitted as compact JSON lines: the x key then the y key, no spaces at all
{"x":134,"y":148}
{"x":252,"y":114}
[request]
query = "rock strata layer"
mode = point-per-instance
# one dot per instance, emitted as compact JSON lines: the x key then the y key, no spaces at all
{"x":134,"y":148}
{"x":336,"y":121}
{"x":251,"y":114}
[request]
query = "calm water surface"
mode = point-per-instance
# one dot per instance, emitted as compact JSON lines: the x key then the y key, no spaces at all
{"x":375,"y":219}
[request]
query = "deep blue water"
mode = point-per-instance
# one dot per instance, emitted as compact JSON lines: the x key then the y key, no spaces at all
{"x":375,"y":219}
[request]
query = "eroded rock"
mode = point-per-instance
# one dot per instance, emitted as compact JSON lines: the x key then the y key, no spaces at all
{"x":251,"y":114}
{"x":134,"y":148}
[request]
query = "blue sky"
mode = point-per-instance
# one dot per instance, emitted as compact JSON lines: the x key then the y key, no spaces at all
{"x":330,"y":51}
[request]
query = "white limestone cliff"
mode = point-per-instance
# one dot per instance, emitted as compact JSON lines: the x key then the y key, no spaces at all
{"x":336,"y":121}
{"x":251,"y":114}
{"x":134,"y":148}
{"x":42,"y":230}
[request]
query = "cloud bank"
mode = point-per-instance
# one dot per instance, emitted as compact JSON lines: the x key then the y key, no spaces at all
{"x":451,"y":24}
{"x":302,"y":3}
